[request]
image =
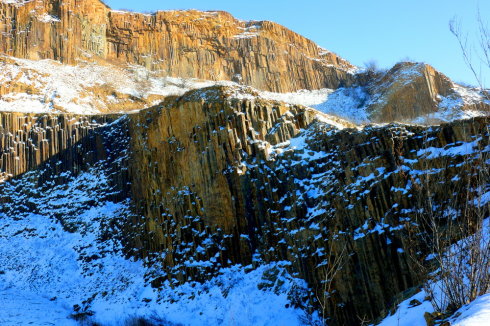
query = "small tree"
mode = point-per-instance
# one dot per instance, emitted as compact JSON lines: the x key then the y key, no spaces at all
{"x":337,"y":256}
{"x":372,"y":69}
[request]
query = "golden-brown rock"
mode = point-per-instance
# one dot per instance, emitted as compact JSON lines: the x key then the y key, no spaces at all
{"x":205,"y":45}
{"x":212,"y":189}
{"x":415,"y":90}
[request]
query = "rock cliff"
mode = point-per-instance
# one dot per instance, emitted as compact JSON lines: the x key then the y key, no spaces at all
{"x":204,"y":45}
{"x":206,"y":175}
{"x":218,"y":177}
{"x":234,"y":185}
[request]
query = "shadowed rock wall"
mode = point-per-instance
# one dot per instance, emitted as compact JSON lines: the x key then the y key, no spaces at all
{"x":28,"y":140}
{"x":213,"y":192}
{"x":216,"y":181}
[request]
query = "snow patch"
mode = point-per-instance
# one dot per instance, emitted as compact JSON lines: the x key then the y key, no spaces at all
{"x":346,"y":103}
{"x":46,"y":18}
{"x":46,"y":270}
{"x":477,"y":313}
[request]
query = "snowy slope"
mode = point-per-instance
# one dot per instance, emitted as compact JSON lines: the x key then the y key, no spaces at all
{"x":26,"y":308}
{"x":411,"y":311}
{"x":61,"y":257}
{"x":47,"y":271}
{"x":476,"y":313}
{"x":90,"y":88}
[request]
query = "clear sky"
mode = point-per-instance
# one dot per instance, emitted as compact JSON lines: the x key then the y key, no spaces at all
{"x":386,"y":31}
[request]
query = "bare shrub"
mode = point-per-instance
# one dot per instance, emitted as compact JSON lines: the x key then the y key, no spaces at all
{"x":476,"y":57}
{"x":451,"y":235}
{"x":337,"y":256}
{"x":373,"y":70}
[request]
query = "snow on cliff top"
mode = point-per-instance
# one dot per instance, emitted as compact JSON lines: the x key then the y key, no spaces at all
{"x":14,"y":2}
{"x":47,"y":86}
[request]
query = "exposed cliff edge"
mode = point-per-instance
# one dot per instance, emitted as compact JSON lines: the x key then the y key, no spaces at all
{"x":204,"y":45}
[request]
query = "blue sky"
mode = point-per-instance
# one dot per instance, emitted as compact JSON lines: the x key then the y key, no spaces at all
{"x":358,"y":30}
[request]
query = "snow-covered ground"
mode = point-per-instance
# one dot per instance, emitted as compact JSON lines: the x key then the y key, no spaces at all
{"x":12,"y":1}
{"x":19,"y":307}
{"x":59,"y":252}
{"x":75,"y":89}
{"x":346,"y":103}
{"x":477,"y":313}
{"x":450,"y":106}
{"x":411,"y":312}
{"x":87,"y":88}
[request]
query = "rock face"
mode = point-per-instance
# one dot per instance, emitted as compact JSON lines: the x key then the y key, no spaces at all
{"x":47,"y":29}
{"x":217,"y":178}
{"x":28,"y":140}
{"x":205,"y":45}
{"x":47,"y":151}
{"x":212,"y":189}
{"x":408,"y":91}
{"x":206,"y":144}
{"x":220,"y":176}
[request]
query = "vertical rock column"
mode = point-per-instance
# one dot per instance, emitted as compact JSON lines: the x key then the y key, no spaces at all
{"x":28,"y":140}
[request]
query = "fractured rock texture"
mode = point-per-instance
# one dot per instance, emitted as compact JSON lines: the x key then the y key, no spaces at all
{"x":214,"y":181}
{"x":205,"y":45}
{"x":213,"y":193}
{"x":28,"y":140}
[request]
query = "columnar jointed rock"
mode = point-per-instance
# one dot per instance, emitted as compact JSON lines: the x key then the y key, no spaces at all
{"x":218,"y":180}
{"x":214,"y":192}
{"x":206,"y":45}
{"x":198,"y":146}
{"x":28,"y":140}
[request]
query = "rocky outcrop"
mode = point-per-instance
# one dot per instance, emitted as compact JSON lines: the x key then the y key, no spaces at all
{"x":222,"y":187}
{"x":206,"y":138}
{"x":205,"y":45}
{"x":413,"y":90}
{"x":408,"y":91}
{"x":218,"y":178}
{"x":29,"y":140}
